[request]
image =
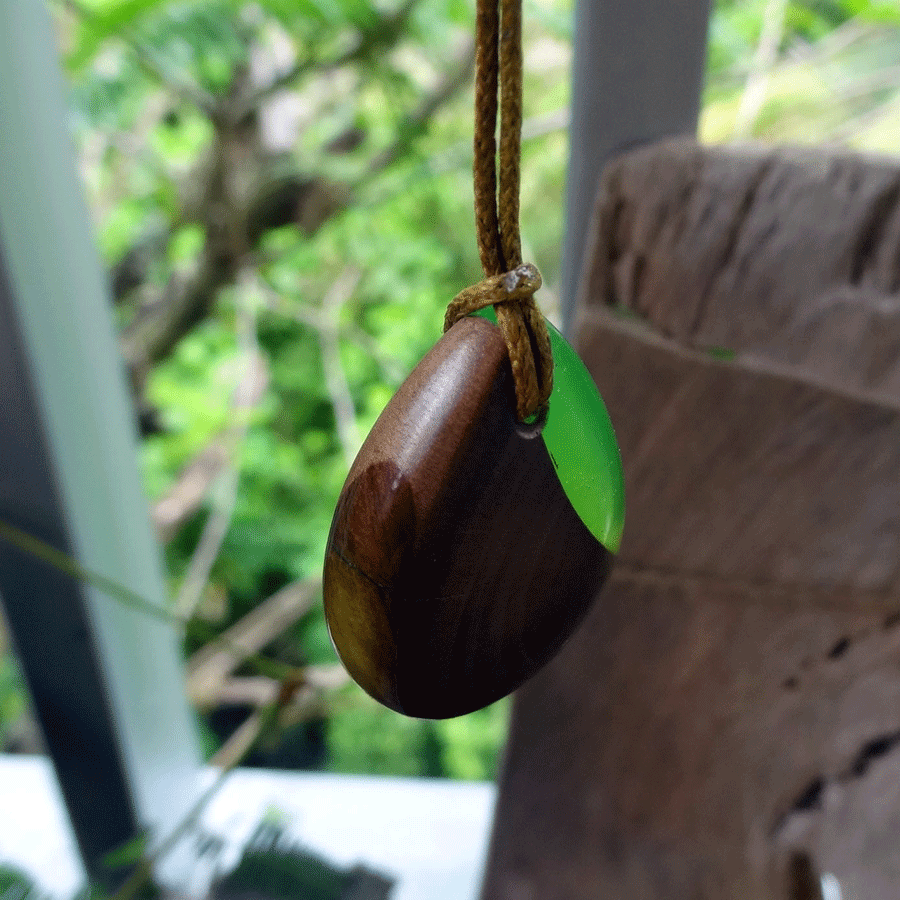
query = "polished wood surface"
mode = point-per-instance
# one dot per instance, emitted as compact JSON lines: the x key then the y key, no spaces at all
{"x":456,"y":566}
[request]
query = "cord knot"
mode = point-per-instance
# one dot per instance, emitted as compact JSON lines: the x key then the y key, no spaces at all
{"x":523,"y":327}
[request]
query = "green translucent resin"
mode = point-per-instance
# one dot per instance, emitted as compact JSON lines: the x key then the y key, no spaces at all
{"x":582,"y":444}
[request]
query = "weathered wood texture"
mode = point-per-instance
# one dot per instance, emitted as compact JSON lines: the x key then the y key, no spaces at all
{"x":794,"y":255}
{"x":733,"y":699}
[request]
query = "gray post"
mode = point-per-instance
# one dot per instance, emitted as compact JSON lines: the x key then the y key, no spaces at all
{"x":637,"y":77}
{"x":106,"y":680}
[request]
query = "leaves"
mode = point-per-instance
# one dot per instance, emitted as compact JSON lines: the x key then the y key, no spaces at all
{"x":154,"y":96}
{"x":12,"y":698}
{"x":104,"y":20}
{"x":128,"y":854}
{"x":366,"y":737}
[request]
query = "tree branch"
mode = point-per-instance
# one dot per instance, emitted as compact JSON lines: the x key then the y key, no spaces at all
{"x":186,"y":301}
{"x":160,"y":324}
{"x":291,"y":704}
{"x":193,"y":484}
{"x":415,"y":124}
{"x":391,"y":371}
{"x":335,"y":378}
{"x":758,"y":80}
{"x":233,"y":226}
{"x":325,"y":322}
{"x":208,"y":668}
{"x":147,"y":58}
{"x":216,"y":526}
{"x":258,"y":690}
{"x":383,"y":35}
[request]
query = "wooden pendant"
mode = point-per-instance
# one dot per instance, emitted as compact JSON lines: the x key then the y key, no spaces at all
{"x":456,"y":566}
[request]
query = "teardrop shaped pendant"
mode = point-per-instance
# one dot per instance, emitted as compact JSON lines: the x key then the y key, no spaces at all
{"x":466,"y":547}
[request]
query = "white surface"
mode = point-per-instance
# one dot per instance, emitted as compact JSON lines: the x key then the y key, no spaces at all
{"x":430,"y":835}
{"x":34,"y":831}
{"x":831,"y":888}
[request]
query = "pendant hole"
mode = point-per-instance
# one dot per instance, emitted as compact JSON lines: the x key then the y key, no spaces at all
{"x":533,"y":425}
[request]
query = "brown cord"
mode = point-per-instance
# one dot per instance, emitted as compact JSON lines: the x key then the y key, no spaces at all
{"x":508,"y":285}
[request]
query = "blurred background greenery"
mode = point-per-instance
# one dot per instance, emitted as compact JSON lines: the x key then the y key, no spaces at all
{"x":281,"y":192}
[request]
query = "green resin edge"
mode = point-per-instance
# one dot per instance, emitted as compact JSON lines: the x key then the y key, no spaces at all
{"x":582,"y":444}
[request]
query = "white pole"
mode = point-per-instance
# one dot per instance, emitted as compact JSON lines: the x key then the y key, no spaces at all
{"x":84,"y":486}
{"x":637,"y":77}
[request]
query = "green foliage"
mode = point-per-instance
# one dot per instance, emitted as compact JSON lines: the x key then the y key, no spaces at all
{"x":830,"y":82}
{"x":202,"y":40}
{"x":470,"y":745}
{"x":146,"y":75}
{"x":128,"y":854}
{"x":273,"y":865}
{"x":106,"y":20}
{"x":12,"y":700}
{"x":15,"y":885}
{"x":285,"y":875}
{"x":366,"y":737}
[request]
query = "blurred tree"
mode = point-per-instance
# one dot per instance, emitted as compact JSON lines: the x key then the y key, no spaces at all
{"x":282,"y":194}
{"x":260,"y":177}
{"x":217,"y":122}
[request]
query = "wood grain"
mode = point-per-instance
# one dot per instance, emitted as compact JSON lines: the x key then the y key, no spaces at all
{"x":791,"y":255}
{"x":456,"y":566}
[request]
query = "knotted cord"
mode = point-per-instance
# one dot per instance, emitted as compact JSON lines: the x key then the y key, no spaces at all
{"x":509,"y":285}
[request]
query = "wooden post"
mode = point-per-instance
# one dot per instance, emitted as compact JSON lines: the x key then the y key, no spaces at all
{"x":726,"y":724}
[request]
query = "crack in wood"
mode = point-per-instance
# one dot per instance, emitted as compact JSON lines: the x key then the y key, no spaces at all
{"x":810,"y":797}
{"x":872,"y":750}
{"x":727,"y":256}
{"x":804,"y":881}
{"x":770,"y":593}
{"x":840,"y":648}
{"x":871,"y":234}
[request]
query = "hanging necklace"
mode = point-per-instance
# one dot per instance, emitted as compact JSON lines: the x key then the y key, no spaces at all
{"x":480,"y":517}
